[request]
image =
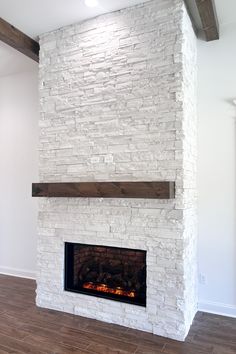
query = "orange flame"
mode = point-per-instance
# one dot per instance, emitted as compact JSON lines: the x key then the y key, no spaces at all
{"x":105,"y":289}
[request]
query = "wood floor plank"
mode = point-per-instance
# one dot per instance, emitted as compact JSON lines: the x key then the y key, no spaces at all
{"x":47,"y":343}
{"x":5,"y":350}
{"x":223,"y":350}
{"x":26,"y":329}
{"x":100,"y":339}
{"x":214,"y":342}
{"x":187,"y":348}
{"x":104,"y":349}
{"x":20,"y":346}
{"x":80,"y":342}
{"x":12,"y":331}
{"x":145,"y":350}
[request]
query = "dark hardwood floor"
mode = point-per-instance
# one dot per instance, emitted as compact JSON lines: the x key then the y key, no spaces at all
{"x":24,"y":328}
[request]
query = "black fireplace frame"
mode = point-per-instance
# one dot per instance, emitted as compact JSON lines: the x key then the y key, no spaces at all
{"x":68,"y":279}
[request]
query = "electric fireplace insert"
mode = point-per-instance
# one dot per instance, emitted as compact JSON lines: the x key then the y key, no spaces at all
{"x":109,"y":272}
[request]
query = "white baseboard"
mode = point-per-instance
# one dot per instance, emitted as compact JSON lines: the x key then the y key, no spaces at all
{"x":21,"y":273}
{"x":217,"y":308}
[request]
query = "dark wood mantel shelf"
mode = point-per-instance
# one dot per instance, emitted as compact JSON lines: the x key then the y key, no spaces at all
{"x":147,"y":190}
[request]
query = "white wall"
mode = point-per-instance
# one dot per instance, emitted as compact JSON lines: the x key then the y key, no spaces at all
{"x":217,"y":214}
{"x":19,"y":166}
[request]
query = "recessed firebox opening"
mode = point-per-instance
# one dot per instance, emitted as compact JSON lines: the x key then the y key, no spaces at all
{"x":109,"y":272}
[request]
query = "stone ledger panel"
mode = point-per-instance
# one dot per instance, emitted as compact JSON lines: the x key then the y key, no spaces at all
{"x":118,"y":103}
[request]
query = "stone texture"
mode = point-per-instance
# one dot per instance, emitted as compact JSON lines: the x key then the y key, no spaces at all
{"x":118,"y":102}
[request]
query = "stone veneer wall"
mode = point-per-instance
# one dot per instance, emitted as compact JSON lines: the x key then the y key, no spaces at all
{"x":118,"y":102}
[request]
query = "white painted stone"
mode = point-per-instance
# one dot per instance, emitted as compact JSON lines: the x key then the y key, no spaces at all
{"x":118,"y":102}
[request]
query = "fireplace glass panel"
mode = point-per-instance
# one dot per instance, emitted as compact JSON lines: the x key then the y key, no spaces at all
{"x":108,"y":272}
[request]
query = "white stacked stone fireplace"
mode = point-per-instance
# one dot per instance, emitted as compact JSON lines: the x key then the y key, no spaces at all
{"x":118,"y":103}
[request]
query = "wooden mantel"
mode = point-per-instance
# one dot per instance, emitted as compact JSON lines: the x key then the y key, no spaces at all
{"x":147,"y":190}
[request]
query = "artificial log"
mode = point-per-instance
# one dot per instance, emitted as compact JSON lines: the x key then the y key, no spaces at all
{"x":113,"y":273}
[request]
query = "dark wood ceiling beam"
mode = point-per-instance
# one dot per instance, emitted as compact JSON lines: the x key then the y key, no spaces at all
{"x":204,"y":18}
{"x":191,"y":16}
{"x":18,"y":40}
{"x":207,"y":12}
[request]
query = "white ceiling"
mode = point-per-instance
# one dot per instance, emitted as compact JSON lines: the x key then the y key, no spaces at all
{"x":35,"y":17}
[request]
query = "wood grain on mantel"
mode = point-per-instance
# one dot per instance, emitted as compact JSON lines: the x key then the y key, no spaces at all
{"x":147,"y":190}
